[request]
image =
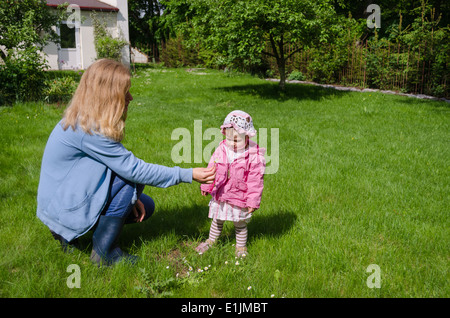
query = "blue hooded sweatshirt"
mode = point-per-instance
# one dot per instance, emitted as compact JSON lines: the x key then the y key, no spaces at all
{"x":76,"y":174}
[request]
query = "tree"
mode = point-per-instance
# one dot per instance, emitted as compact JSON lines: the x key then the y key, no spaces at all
{"x":25,"y":24}
{"x":392,"y":10}
{"x":240,"y":29}
{"x":145,"y":27}
{"x":25,"y":27}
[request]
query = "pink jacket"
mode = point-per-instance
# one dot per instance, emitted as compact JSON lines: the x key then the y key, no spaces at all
{"x":241,"y":182}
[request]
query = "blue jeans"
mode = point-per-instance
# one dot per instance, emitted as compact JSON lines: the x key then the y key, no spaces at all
{"x":123,"y":196}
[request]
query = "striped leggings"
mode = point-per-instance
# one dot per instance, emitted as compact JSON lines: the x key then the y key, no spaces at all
{"x":240,"y":228}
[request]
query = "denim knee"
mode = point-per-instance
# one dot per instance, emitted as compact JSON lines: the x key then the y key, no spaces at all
{"x":122,"y":197}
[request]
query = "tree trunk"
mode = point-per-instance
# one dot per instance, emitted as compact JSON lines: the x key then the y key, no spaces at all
{"x":282,"y":70}
{"x":281,"y":62}
{"x":278,"y":54}
{"x":3,"y":55}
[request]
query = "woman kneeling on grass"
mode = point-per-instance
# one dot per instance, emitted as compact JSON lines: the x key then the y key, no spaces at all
{"x":88,"y":179}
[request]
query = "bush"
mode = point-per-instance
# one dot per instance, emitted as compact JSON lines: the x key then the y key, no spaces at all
{"x":106,"y":45}
{"x":296,"y":76}
{"x":59,"y":89}
{"x":175,"y":53}
{"x":22,"y":76}
{"x":324,"y":66}
{"x":58,"y":74}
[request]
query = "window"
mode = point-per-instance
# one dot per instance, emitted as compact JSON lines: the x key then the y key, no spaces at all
{"x":67,"y":37}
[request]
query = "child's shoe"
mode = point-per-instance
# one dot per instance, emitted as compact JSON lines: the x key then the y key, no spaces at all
{"x":204,"y":246}
{"x":241,"y":252}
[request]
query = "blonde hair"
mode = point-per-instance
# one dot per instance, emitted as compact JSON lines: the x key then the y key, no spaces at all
{"x":98,"y":105}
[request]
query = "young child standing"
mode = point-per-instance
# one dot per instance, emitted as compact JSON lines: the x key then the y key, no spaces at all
{"x":237,"y":189}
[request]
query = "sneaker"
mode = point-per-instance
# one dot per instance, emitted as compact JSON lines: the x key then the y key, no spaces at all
{"x":204,"y":246}
{"x":241,"y":252}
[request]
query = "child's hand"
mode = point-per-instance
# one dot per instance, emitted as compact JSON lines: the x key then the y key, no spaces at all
{"x":204,"y":193}
{"x":251,"y":210}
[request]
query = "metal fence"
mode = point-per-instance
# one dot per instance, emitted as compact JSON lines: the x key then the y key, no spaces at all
{"x":368,"y":64}
{"x":385,"y":65}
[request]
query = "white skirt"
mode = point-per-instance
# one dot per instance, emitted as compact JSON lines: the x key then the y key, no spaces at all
{"x":228,"y":212}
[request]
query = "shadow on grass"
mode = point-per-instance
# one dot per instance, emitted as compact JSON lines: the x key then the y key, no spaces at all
{"x":192,"y":222}
{"x":271,"y":90}
{"x":185,"y":221}
{"x":438,"y":105}
{"x":273,"y":225}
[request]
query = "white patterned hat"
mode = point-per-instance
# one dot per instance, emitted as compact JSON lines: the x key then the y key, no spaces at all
{"x":240,"y":121}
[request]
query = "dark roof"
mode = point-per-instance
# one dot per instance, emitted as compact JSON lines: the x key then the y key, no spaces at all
{"x":93,"y":5}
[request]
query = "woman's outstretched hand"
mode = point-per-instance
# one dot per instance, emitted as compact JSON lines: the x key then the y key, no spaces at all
{"x":204,"y":175}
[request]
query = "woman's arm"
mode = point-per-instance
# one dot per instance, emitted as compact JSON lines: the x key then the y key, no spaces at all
{"x":123,"y":162}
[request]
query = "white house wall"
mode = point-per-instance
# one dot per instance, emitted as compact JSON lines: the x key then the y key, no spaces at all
{"x":51,"y":54}
{"x":89,"y":55}
{"x":122,"y":24}
{"x":87,"y":51}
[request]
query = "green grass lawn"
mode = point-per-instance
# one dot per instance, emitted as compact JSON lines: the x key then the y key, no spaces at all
{"x":363,"y":179}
